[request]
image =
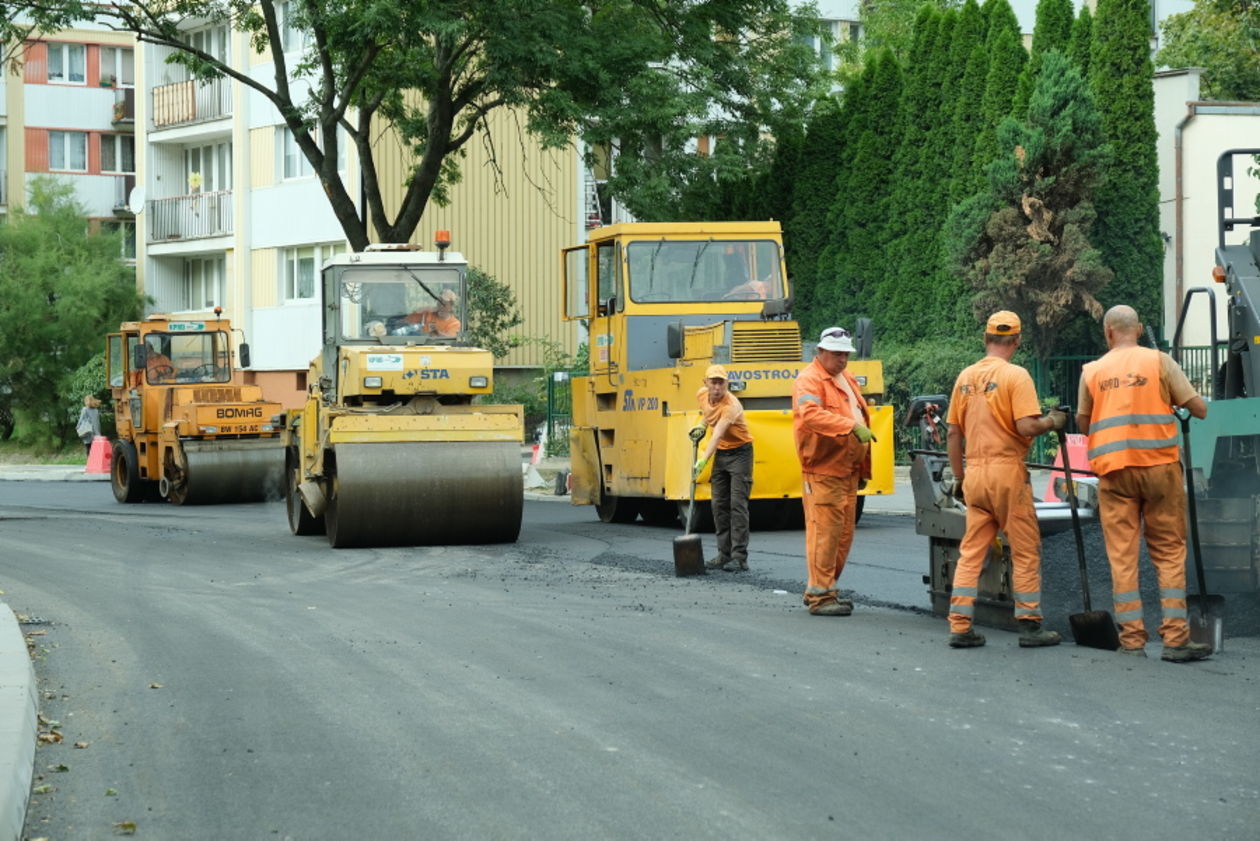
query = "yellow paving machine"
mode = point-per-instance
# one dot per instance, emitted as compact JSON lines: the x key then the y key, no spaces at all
{"x":393,"y":446}
{"x":660,"y":302}
{"x":187,"y":431}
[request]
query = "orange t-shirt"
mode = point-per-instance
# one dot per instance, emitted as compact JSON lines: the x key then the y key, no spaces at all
{"x":729,"y":407}
{"x":1010,"y":394}
{"x":431,"y":322}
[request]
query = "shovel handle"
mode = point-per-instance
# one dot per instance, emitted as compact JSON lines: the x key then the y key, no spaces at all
{"x":1184,"y":417}
{"x":691,"y":506}
{"x":1076,"y":518}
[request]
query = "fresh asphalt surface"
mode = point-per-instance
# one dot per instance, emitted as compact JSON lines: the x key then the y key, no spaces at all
{"x":231,"y":681}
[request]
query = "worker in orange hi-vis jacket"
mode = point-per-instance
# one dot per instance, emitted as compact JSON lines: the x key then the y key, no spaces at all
{"x":993,"y":416}
{"x":1125,"y":405}
{"x":831,"y":426}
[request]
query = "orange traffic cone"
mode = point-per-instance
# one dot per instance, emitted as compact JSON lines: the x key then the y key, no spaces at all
{"x":536,"y":456}
{"x":101,"y":456}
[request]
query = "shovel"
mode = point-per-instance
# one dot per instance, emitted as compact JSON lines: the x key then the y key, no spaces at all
{"x":1207,"y":623}
{"x":688,"y":553}
{"x":1093,"y":628}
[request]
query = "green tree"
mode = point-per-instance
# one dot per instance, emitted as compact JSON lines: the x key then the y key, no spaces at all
{"x":63,"y":288}
{"x":805,"y":233}
{"x":1222,"y":37}
{"x":1127,"y":201}
{"x":646,"y":75}
{"x":1052,"y":31}
{"x":890,"y":25}
{"x":1081,"y":42}
{"x":972,"y":56}
{"x":1007,"y":56}
{"x":1025,"y":244}
{"x":492,"y":314}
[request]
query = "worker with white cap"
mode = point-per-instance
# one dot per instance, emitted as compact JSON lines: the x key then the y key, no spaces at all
{"x":730,"y":448}
{"x":831,"y":425}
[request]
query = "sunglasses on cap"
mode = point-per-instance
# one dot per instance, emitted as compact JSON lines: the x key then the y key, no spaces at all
{"x":836,"y":333}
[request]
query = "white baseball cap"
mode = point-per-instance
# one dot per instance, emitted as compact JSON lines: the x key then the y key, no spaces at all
{"x":836,"y":339}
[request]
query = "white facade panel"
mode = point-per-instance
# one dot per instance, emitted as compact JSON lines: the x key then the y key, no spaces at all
{"x":69,"y":107}
{"x":285,"y":338}
{"x":94,"y":192}
{"x":295,"y":212}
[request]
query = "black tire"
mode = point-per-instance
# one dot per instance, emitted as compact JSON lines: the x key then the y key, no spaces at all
{"x":703,"y":522}
{"x":124,"y":475}
{"x":857,"y":509}
{"x":301,"y":521}
{"x":336,"y":538}
{"x":612,"y":509}
{"x":776,"y":515}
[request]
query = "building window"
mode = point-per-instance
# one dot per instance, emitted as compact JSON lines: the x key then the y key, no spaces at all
{"x":67,"y":150}
{"x":118,"y":66}
{"x":292,"y":38}
{"x":208,"y":168}
{"x":295,"y":162}
{"x":211,"y":41}
{"x":301,"y":268}
{"x":203,"y":282}
{"x":127,"y":229}
{"x":118,"y":153}
{"x":67,"y":63}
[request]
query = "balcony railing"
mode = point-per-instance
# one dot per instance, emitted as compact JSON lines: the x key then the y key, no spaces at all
{"x":197,"y":216}
{"x":187,"y":102}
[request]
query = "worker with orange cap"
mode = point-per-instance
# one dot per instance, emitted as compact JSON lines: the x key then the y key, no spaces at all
{"x":1125,"y":406}
{"x":993,"y":415}
{"x":435,"y":321}
{"x":831,"y":426}
{"x":730,"y":448}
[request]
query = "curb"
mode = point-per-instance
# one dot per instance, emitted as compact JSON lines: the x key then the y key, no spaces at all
{"x":18,"y":707}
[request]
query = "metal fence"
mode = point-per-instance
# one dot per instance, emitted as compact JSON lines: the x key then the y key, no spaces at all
{"x":191,"y":217}
{"x":560,"y":410}
{"x":191,"y":101}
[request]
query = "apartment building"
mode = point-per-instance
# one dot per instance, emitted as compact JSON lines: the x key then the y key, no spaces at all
{"x":69,"y":113}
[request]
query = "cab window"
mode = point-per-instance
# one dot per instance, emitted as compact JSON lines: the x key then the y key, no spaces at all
{"x":577,"y":286}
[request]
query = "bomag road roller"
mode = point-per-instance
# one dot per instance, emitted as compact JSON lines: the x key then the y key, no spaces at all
{"x":660,"y":303}
{"x":392,"y":446}
{"x":186,"y":431}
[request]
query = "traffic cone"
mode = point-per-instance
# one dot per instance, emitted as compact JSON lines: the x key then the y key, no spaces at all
{"x":536,"y":456}
{"x":101,"y":456}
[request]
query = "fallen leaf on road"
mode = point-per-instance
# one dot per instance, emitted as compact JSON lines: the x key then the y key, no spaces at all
{"x":125,"y":828}
{"x":59,"y":769}
{"x":50,"y":736}
{"x":36,"y":633}
{"x":109,"y":792}
{"x":155,"y":686}
{"x":44,"y":789}
{"x":81,"y":745}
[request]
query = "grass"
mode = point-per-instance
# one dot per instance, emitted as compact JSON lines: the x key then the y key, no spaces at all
{"x":17,"y":452}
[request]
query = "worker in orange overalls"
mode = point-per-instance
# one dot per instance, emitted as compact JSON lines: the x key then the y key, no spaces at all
{"x":435,"y":321}
{"x":1125,"y":405}
{"x":831,"y":425}
{"x":730,"y":447}
{"x":993,"y":415}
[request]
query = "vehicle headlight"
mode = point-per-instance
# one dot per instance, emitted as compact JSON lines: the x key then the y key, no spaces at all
{"x":735,"y":385}
{"x":371,"y":382}
{"x":478,"y":382}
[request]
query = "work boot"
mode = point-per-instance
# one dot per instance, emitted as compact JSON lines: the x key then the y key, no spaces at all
{"x":716,"y":562}
{"x":967,"y":639}
{"x":1186,"y":653}
{"x":831,"y":609}
{"x":1031,"y":635}
{"x":1139,"y":651}
{"x":740,"y":566}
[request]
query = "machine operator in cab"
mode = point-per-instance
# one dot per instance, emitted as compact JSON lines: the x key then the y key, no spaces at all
{"x":730,"y":447}
{"x":434,"y":321}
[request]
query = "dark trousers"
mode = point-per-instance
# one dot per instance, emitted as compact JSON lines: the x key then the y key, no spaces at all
{"x":731,"y":481}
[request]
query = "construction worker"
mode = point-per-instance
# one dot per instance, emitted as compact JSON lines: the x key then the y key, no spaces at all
{"x":831,"y":425}
{"x":993,"y":416}
{"x":158,"y":365}
{"x":730,"y":447}
{"x":435,"y":321}
{"x":1125,"y":405}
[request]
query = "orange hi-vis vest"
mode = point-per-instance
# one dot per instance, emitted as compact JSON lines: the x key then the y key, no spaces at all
{"x":1131,"y":424}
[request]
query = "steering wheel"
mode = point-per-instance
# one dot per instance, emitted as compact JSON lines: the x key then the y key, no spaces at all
{"x":207,"y":372}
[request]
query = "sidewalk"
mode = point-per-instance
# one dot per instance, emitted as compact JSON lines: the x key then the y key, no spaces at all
{"x":49,"y":473}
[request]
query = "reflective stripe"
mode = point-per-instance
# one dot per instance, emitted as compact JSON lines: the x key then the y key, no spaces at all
{"x":1028,"y":597}
{"x":1133,"y":444}
{"x":1121,"y":420}
{"x":808,"y":398}
{"x":1131,"y":596}
{"x":1173,"y":593}
{"x":1129,"y":615}
{"x":966,"y":591}
{"x":1027,"y":611}
{"x":963,"y":609}
{"x":1174,"y":613}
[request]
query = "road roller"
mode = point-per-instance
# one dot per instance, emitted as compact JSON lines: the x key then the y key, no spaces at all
{"x":394,"y":445}
{"x":188,"y":431}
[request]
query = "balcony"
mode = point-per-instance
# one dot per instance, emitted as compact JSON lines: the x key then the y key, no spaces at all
{"x":124,"y":107}
{"x":123,"y":185}
{"x":195,"y":216}
{"x":185,"y":103}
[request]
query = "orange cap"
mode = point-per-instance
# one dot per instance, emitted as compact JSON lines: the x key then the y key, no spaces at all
{"x":715,"y":372}
{"x":1003,"y":323}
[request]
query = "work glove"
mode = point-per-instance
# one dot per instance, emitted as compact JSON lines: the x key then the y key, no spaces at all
{"x":953,"y":487}
{"x":1058,"y":419}
{"x":698,"y":468}
{"x":863,"y":433}
{"x":697,"y":432}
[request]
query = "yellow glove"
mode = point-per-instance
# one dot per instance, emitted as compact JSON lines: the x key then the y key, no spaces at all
{"x":863,"y":433}
{"x":699,"y":466}
{"x":697,"y":432}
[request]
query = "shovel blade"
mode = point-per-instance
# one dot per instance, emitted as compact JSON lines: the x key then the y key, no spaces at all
{"x":1207,"y":620}
{"x":688,"y":556}
{"x":1095,"y":629}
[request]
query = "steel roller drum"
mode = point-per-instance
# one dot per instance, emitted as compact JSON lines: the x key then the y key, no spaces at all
{"x":425,"y":493}
{"x":231,"y":471}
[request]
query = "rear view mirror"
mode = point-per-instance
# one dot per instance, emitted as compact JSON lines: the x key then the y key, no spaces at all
{"x":242,"y":355}
{"x":138,"y":356}
{"x":674,"y":339}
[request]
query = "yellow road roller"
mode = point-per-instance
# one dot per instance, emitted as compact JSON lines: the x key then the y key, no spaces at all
{"x":187,"y":432}
{"x":392,"y":446}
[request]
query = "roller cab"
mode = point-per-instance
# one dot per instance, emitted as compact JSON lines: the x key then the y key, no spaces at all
{"x":397,"y":442}
{"x":188,"y":430}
